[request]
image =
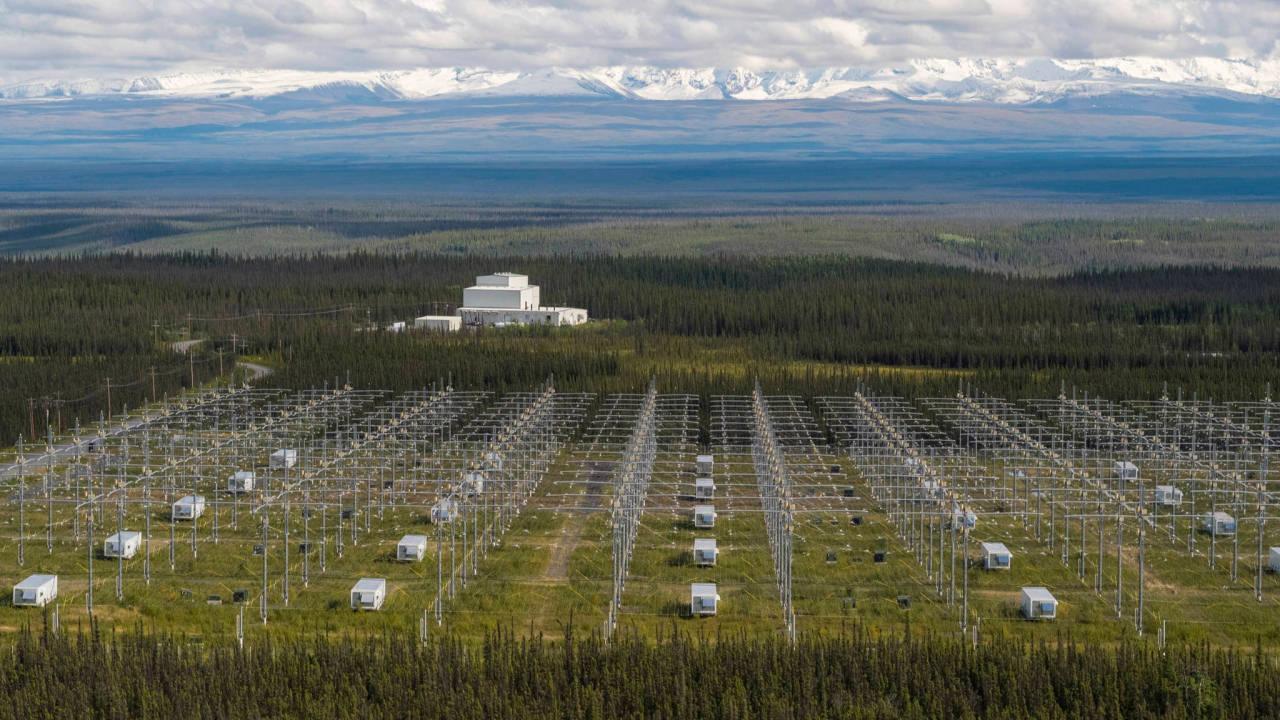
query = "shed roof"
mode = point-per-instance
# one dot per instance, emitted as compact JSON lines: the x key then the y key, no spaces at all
{"x":370,"y":585}
{"x":704,"y":544}
{"x":1039,"y":594}
{"x":34,"y":581}
{"x":995,"y":548}
{"x":413,"y":540}
{"x":125,"y":535}
{"x":703,"y":588}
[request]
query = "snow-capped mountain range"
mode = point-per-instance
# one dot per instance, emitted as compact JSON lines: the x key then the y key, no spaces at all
{"x":999,"y":81}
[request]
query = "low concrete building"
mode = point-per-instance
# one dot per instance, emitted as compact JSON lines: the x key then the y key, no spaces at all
{"x":438,"y":323}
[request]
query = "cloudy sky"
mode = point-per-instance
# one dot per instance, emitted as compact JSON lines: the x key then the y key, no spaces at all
{"x":62,"y":39}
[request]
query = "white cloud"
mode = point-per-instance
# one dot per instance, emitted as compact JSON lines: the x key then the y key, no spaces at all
{"x":71,"y":38}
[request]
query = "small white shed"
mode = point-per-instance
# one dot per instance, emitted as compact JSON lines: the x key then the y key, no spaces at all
{"x":493,"y":461}
{"x":964,"y":518}
{"x":704,"y":516}
{"x":704,"y":488}
{"x":396,"y":327}
{"x":1039,"y":604}
{"x":704,"y":552}
{"x":368,"y":594}
{"x":438,"y":323}
{"x":35,"y":591}
{"x":1274,"y":562}
{"x":703,"y":599}
{"x":411,"y":548}
{"x":1125,"y":470}
{"x":123,"y":544}
{"x":284,"y":458}
{"x":995,"y":556}
{"x":1218,"y":523}
{"x":706,"y":465}
{"x":444,"y":511}
{"x":188,"y":507}
{"x":473,"y":483}
{"x":1168,"y":496}
{"x":241,"y":482}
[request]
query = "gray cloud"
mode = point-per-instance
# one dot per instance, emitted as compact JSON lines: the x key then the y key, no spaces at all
{"x":75,"y":38}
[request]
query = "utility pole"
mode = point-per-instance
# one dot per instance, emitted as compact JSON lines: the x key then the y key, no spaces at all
{"x":31,"y":417}
{"x":153,"y":383}
{"x":108,"y":398}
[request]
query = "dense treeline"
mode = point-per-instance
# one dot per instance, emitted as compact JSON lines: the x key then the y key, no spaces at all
{"x":810,"y":325}
{"x":849,"y":676}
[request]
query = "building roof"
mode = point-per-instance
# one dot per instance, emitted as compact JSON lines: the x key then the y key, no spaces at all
{"x":700,"y":509}
{"x":706,"y":458}
{"x":1038,"y":594}
{"x":704,"y":481}
{"x":369,"y":585}
{"x":190,"y":499}
{"x":703,"y":588}
{"x":704,"y":544}
{"x":995,"y":548}
{"x":1219,"y":515}
{"x":126,"y":533}
{"x":34,"y":581}
{"x":413,"y":539}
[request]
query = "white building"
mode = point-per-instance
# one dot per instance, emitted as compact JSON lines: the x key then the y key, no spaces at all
{"x":188,"y":507}
{"x":438,"y":323}
{"x":368,"y":594}
{"x":995,"y":556}
{"x":963,"y":518}
{"x":1125,"y":470}
{"x":706,"y":465}
{"x":509,"y":299}
{"x":473,"y":483}
{"x":1218,"y":523}
{"x":703,"y":599}
{"x":1038,"y":604}
{"x":444,"y":511}
{"x":1274,"y":562}
{"x":704,"y":516}
{"x":704,"y":552}
{"x":284,"y":458}
{"x":35,"y":591}
{"x":411,"y":548}
{"x":704,"y":488}
{"x":123,"y":544}
{"x":396,"y":327}
{"x":1168,"y":496}
{"x":241,"y":482}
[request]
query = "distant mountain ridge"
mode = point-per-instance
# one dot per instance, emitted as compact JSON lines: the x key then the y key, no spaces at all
{"x":989,"y":80}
